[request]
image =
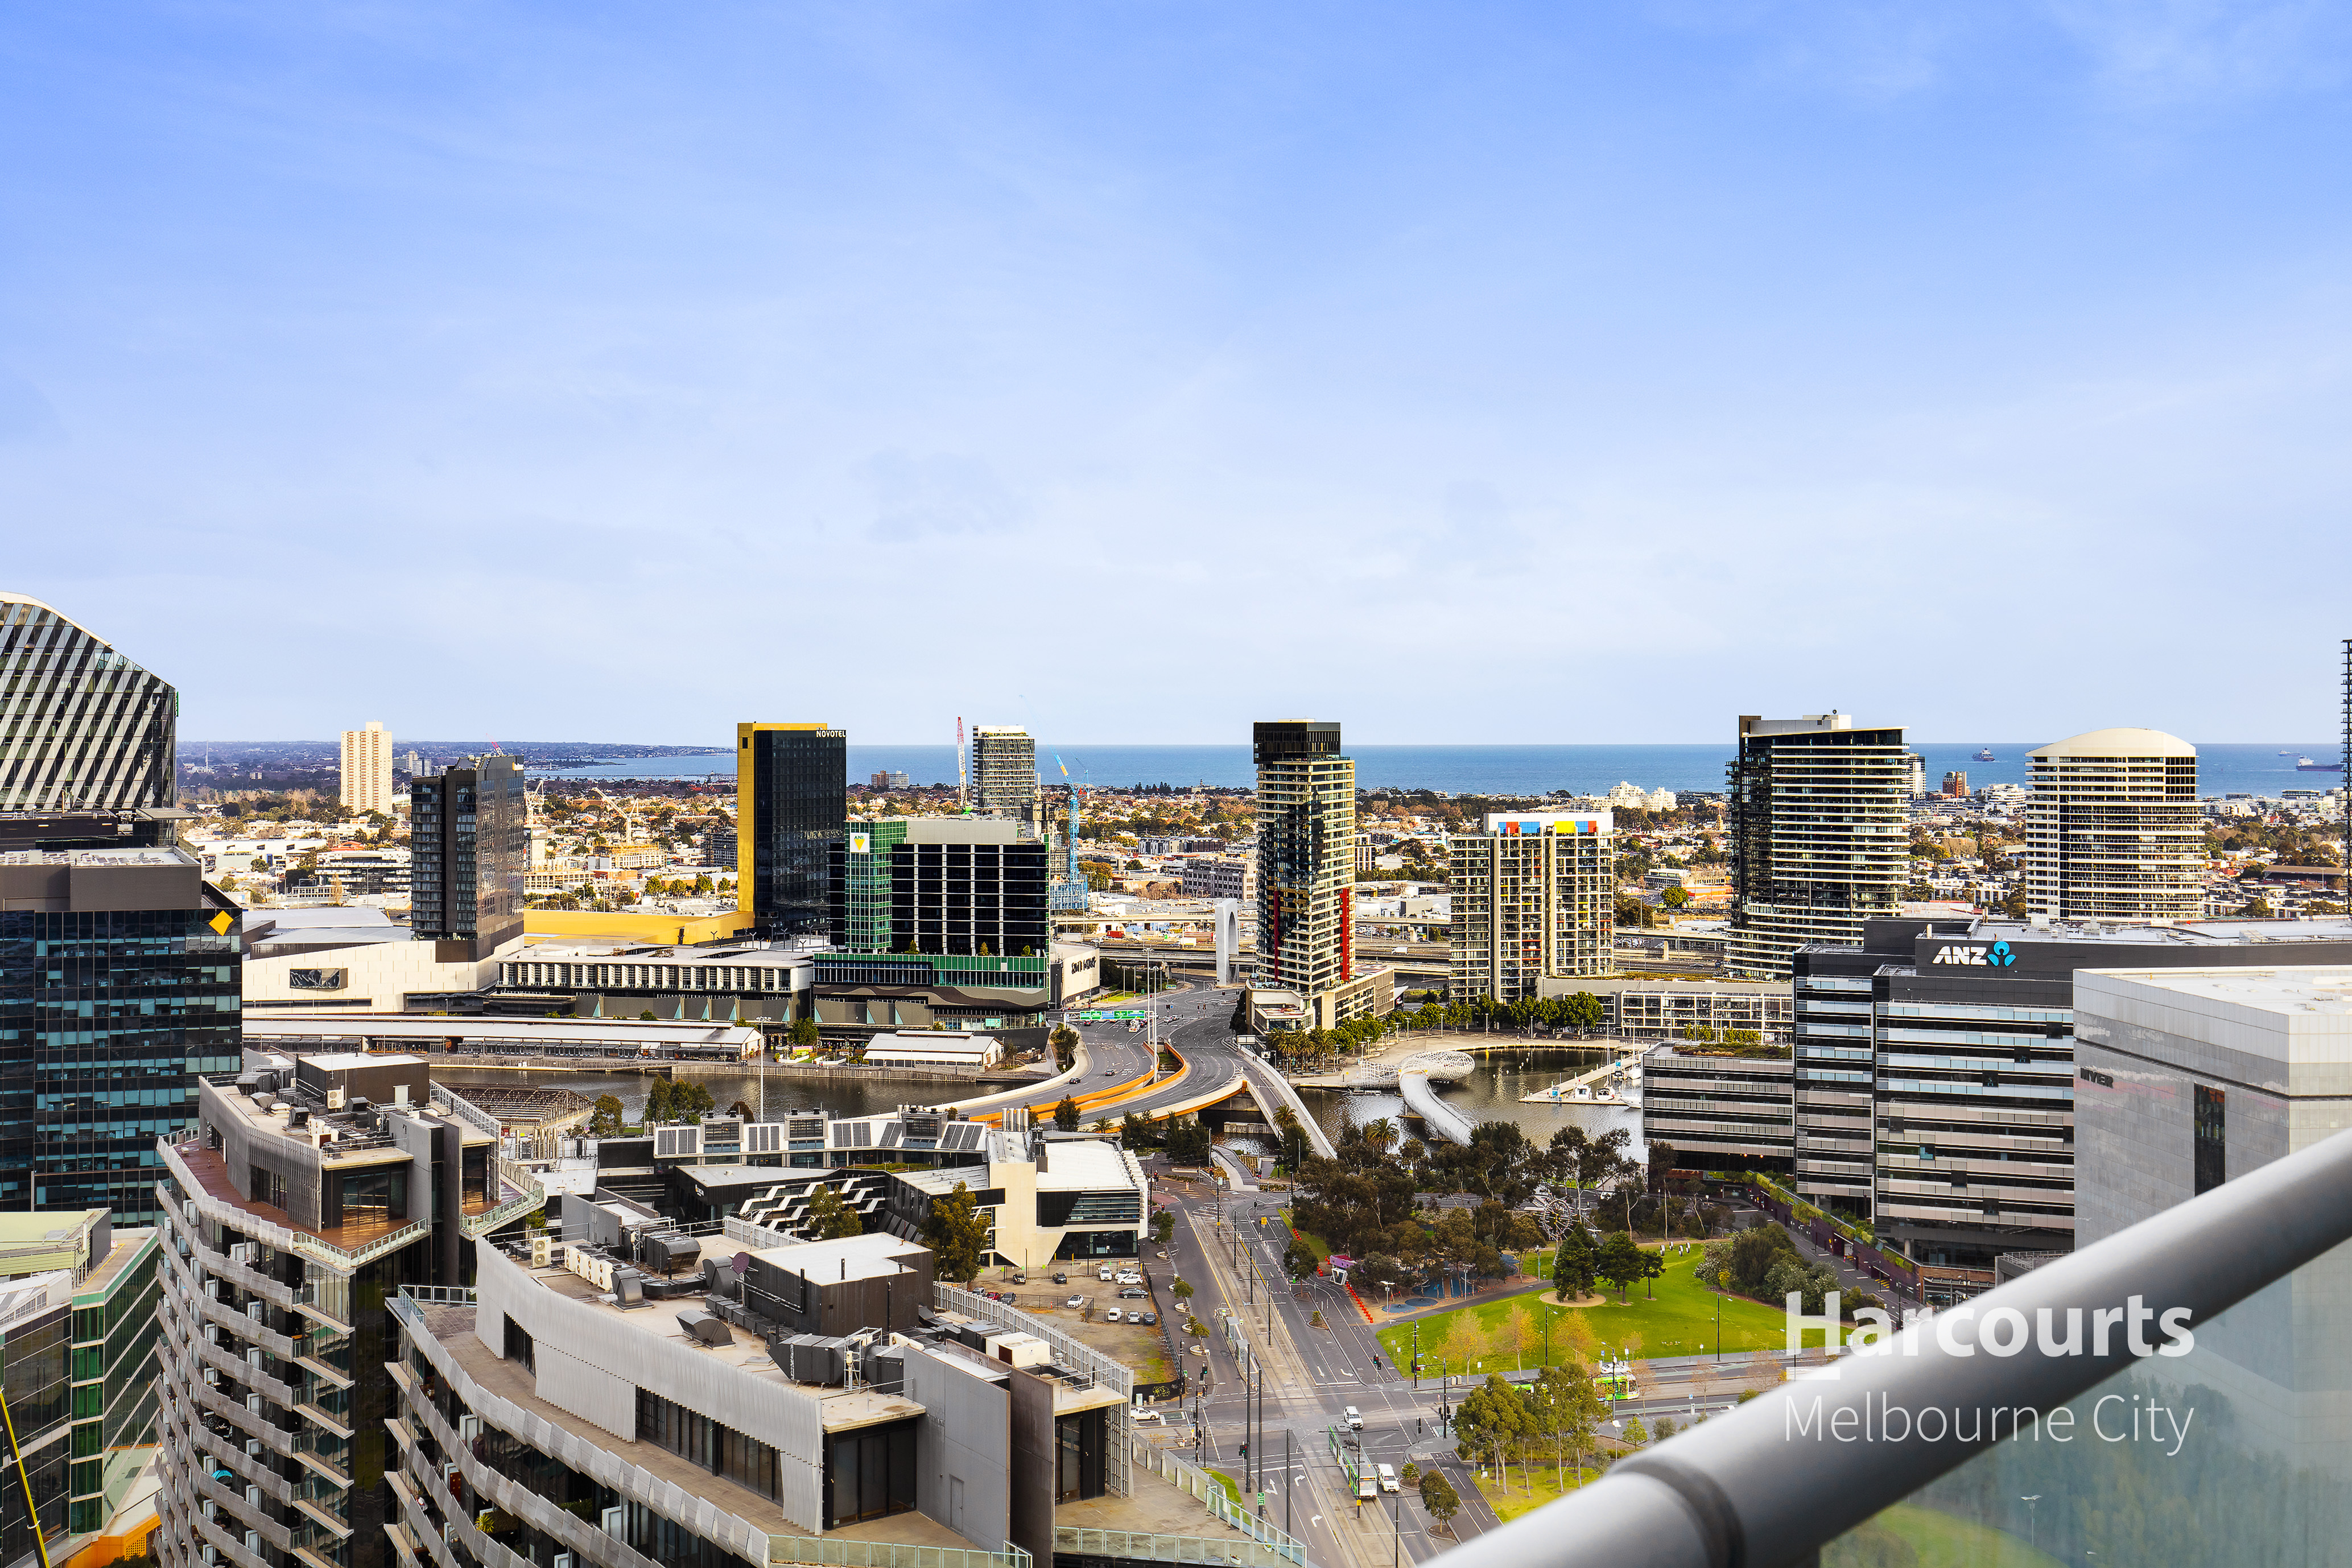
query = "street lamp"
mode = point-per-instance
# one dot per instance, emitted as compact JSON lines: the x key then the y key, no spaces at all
{"x":2032,"y":1520}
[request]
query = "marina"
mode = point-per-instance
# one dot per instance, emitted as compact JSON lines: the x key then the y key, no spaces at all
{"x":1605,"y":1084}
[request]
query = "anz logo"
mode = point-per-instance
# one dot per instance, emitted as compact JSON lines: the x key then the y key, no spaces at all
{"x":1996,"y":956}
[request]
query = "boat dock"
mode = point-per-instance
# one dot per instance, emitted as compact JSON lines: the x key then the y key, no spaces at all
{"x":1579,"y":1090}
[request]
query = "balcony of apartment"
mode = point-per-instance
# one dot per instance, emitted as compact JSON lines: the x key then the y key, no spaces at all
{"x":203,"y":1177}
{"x":2223,"y":1444}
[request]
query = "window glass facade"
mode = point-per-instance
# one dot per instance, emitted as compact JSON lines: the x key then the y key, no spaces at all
{"x":792,"y":801}
{"x":105,"y":1020}
{"x":81,"y":726}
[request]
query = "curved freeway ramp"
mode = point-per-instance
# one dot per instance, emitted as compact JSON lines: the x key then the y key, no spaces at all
{"x":1442,"y":1120}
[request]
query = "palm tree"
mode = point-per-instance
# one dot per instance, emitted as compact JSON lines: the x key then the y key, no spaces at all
{"x":1381,"y":1134}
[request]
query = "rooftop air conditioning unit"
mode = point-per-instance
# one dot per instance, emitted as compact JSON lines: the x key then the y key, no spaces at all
{"x":334,"y":1100}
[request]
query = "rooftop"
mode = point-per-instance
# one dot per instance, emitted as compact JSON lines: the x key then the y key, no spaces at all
{"x":2117,"y":742}
{"x":842,"y":1409}
{"x":874,"y":1256}
{"x":1088,"y":1165}
{"x":2184,"y":934}
{"x":2318,"y":989}
{"x":97,"y":858}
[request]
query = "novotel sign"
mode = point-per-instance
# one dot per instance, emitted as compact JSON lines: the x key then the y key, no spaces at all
{"x":1976,"y":954}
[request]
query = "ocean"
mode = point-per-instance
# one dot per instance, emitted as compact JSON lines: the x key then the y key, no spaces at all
{"x":2222,"y":769}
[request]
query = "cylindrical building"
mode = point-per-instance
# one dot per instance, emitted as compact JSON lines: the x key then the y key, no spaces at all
{"x":2113,"y":830}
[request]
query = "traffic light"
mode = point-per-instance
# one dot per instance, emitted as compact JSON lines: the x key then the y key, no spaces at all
{"x":1245,"y":1451}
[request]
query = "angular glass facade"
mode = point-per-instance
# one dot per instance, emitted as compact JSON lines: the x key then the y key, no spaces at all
{"x":81,"y":726}
{"x":792,"y":785}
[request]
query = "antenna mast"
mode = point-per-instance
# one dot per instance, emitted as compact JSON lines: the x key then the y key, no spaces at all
{"x":963,"y":802}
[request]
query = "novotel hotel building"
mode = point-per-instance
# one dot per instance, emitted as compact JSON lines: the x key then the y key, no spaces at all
{"x":1935,"y":1075}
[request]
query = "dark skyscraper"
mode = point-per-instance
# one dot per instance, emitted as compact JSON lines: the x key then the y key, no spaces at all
{"x":791,"y":800}
{"x":469,"y":847}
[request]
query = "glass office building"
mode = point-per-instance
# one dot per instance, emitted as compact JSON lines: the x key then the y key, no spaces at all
{"x":792,"y":799}
{"x":81,"y":726}
{"x":120,"y":973}
{"x":469,"y":850}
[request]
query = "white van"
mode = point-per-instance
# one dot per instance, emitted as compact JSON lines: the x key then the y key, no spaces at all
{"x":1388,"y":1478}
{"x":1355,"y":1422}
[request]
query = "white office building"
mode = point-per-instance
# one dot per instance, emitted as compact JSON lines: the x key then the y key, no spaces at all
{"x":2112,"y":828}
{"x":367,"y":770}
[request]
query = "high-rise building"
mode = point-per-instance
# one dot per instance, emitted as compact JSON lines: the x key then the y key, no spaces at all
{"x":1956,"y":783}
{"x":2113,"y":830}
{"x":415,"y":765}
{"x":1819,"y":817}
{"x":82,"y":729}
{"x":1535,"y":897}
{"x":941,"y":885}
{"x":309,"y":1193}
{"x":123,"y":984}
{"x":1919,"y":775}
{"x":791,"y":803}
{"x":1306,"y":873}
{"x":1004,"y":773}
{"x":1936,"y":1067}
{"x":469,"y":843}
{"x":367,"y":770}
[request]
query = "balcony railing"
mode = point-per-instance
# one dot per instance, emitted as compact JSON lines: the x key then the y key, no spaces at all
{"x":282,"y":1237}
{"x":1775,"y":1480}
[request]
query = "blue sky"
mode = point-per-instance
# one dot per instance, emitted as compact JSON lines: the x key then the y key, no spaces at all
{"x":1467,"y":373}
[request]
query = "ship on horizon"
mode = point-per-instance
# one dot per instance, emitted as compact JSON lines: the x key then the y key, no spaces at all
{"x":2305,"y":765}
{"x":1984,"y":755}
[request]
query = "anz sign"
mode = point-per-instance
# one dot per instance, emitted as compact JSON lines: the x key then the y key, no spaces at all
{"x":1996,"y":956}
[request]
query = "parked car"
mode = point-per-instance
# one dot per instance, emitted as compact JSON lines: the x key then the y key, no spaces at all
{"x":1130,"y":1276}
{"x":1104,"y":1273}
{"x":1111,"y":1316}
{"x":1388,"y":1478}
{"x":1146,"y":1319}
{"x":1060,"y":1278}
{"x":1149,"y":1418}
{"x":1131,"y":1294}
{"x":1074,"y":1302}
{"x":1019,"y":1278}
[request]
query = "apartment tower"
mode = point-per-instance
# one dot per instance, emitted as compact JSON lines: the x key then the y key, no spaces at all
{"x":1004,"y":774}
{"x":84,"y":729}
{"x":1534,"y":900}
{"x":1306,"y":866}
{"x":791,"y":803}
{"x":2113,"y":830}
{"x":367,"y":770}
{"x":1820,"y":812}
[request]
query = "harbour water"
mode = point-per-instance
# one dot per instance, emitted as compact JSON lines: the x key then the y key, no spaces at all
{"x":1491,"y":1093}
{"x":2222,"y":769}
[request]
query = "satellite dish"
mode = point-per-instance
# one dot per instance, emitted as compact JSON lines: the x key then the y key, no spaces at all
{"x":742,"y":1263}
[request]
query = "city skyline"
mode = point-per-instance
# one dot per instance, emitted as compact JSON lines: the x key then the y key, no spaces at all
{"x":1789,"y":337}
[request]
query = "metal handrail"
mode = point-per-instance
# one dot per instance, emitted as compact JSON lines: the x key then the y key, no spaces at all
{"x":1741,"y":1489}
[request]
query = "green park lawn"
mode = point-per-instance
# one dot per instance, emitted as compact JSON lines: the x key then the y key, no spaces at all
{"x":1510,"y":1497}
{"x":1935,"y":1541}
{"x":1680,"y":1321}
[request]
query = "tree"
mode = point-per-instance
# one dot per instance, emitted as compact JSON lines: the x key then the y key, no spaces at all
{"x":1164,"y":1225}
{"x":1652,"y":1265}
{"x":803,"y":1034}
{"x":1619,"y":1262}
{"x":957,"y":1233}
{"x":1181,"y":1290}
{"x":1437,"y":1497}
{"x":605,"y":1119}
{"x":1135,"y":1131}
{"x":1065,"y":1042}
{"x":1636,"y":1432}
{"x":1300,"y":1259}
{"x":1674,"y":898}
{"x":1065,"y":1115}
{"x":670,"y":1100}
{"x":1188,"y":1142}
{"x":1574,"y":1267}
{"x":829,"y":1218}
